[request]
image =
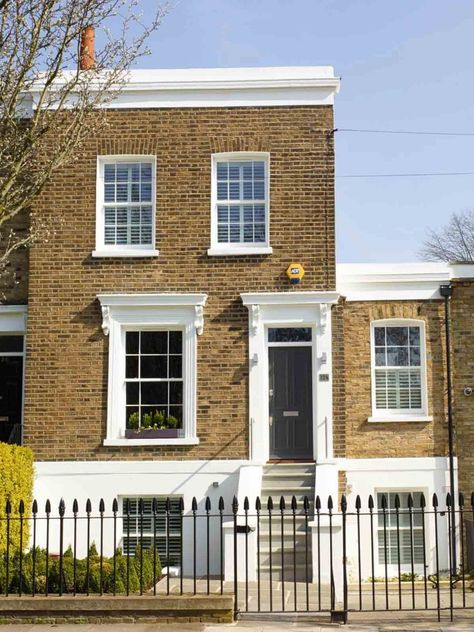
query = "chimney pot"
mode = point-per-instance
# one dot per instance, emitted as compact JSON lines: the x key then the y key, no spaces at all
{"x":86,"y":50}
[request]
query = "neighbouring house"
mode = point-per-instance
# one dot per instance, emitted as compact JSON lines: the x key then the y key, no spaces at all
{"x":156,"y":348}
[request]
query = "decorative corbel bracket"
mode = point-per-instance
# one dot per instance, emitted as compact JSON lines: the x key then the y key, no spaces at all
{"x":199,"y":319}
{"x":254,"y":318}
{"x":106,"y":319}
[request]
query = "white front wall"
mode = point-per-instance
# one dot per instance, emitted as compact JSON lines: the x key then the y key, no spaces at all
{"x":119,"y":479}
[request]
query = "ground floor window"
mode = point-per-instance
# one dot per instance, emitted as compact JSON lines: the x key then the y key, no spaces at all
{"x":150,"y":527}
{"x":11,"y":387}
{"x":154,"y":379}
{"x":398,"y":539}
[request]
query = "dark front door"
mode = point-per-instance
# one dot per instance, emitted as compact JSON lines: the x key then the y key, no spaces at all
{"x":291,"y":419}
{"x":11,"y":388}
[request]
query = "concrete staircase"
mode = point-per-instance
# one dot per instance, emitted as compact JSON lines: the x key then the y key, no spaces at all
{"x":286,"y":480}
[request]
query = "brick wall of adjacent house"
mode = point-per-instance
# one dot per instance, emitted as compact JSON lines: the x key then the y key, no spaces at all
{"x":462,"y":323}
{"x":363,"y":439}
{"x":66,"y":375}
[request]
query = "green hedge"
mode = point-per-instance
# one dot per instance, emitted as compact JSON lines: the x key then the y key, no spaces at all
{"x":16,"y":483}
{"x":81,"y":572}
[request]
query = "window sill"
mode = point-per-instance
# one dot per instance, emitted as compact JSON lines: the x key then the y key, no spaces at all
{"x":400,"y":419}
{"x":140,"y":442}
{"x":125,"y":253}
{"x":239,"y":251}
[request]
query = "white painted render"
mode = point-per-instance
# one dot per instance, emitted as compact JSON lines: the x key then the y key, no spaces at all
{"x":397,"y":281}
{"x":222,"y":87}
{"x":240,"y":478}
{"x":13,"y":319}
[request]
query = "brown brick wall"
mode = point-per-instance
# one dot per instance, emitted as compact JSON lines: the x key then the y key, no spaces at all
{"x":366,"y":440}
{"x":462,"y":319}
{"x":66,"y":375}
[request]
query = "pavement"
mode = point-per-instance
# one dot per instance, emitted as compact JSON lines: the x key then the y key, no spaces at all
{"x":391,"y":623}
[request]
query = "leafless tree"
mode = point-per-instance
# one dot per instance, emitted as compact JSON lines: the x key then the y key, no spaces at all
{"x":453,"y":242}
{"x":48,"y":106}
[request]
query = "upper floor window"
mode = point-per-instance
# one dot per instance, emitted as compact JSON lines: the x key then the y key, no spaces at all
{"x":125,"y":206}
{"x":398,"y":370}
{"x":240,"y":204}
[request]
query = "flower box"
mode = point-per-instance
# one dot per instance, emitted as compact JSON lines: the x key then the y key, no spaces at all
{"x":152,"y":433}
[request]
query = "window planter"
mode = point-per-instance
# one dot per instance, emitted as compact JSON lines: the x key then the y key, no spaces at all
{"x":152,"y":433}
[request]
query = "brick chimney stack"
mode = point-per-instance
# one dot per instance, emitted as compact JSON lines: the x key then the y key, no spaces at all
{"x":86,"y":49}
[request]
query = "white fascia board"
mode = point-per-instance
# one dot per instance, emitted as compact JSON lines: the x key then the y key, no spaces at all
{"x":462,"y":270}
{"x":391,"y":282}
{"x":289,"y":298}
{"x":151,"y":300}
{"x":224,"y":87}
{"x":13,"y":318}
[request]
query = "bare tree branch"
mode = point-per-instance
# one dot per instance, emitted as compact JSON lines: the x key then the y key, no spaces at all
{"x":48,"y":107}
{"x":453,"y":242}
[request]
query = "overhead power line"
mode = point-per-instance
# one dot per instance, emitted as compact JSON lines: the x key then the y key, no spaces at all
{"x":399,"y":131}
{"x":405,"y":175}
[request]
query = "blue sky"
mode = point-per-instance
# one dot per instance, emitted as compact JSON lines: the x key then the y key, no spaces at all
{"x":404,"y":65}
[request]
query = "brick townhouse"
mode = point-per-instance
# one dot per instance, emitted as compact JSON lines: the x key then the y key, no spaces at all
{"x":155,"y":347}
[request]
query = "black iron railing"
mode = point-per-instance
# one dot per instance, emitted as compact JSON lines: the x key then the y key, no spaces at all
{"x":390,"y":553}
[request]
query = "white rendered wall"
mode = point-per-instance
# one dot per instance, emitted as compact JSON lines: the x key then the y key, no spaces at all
{"x":368,"y":477}
{"x":111,"y":479}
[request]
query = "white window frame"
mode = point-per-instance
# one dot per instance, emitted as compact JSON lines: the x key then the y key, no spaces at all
{"x":400,"y":415}
{"x":224,"y":249}
{"x":130,"y":312}
{"x":122,"y":250}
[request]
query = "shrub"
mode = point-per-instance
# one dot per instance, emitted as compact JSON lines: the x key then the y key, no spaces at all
{"x":16,"y":483}
{"x":83,"y":580}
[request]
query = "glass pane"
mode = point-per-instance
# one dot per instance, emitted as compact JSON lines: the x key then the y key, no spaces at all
{"x":289,"y":334}
{"x":397,"y":356}
{"x":132,"y":393}
{"x":132,"y":416}
{"x":415,"y":359}
{"x":176,"y":341}
{"x":10,"y":344}
{"x":131,"y":341}
{"x":131,"y":367}
{"x":154,"y":393}
{"x":154,"y":342}
{"x":153,"y":366}
{"x":380,"y":356}
{"x":176,"y":392}
{"x":397,"y":336}
{"x":176,"y":369}
{"x":379,"y":335}
{"x":177,"y":411}
{"x":414,"y":336}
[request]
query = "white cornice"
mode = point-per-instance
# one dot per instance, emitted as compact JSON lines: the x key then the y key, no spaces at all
{"x":13,"y":318}
{"x":289,"y":298}
{"x":397,"y":281}
{"x":151,"y":300}
{"x":226,"y":87}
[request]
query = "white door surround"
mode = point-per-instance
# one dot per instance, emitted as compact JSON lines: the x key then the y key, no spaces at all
{"x":290,"y":309}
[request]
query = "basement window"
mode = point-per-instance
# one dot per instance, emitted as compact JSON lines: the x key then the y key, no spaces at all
{"x":402,"y":536}
{"x":151,"y":529}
